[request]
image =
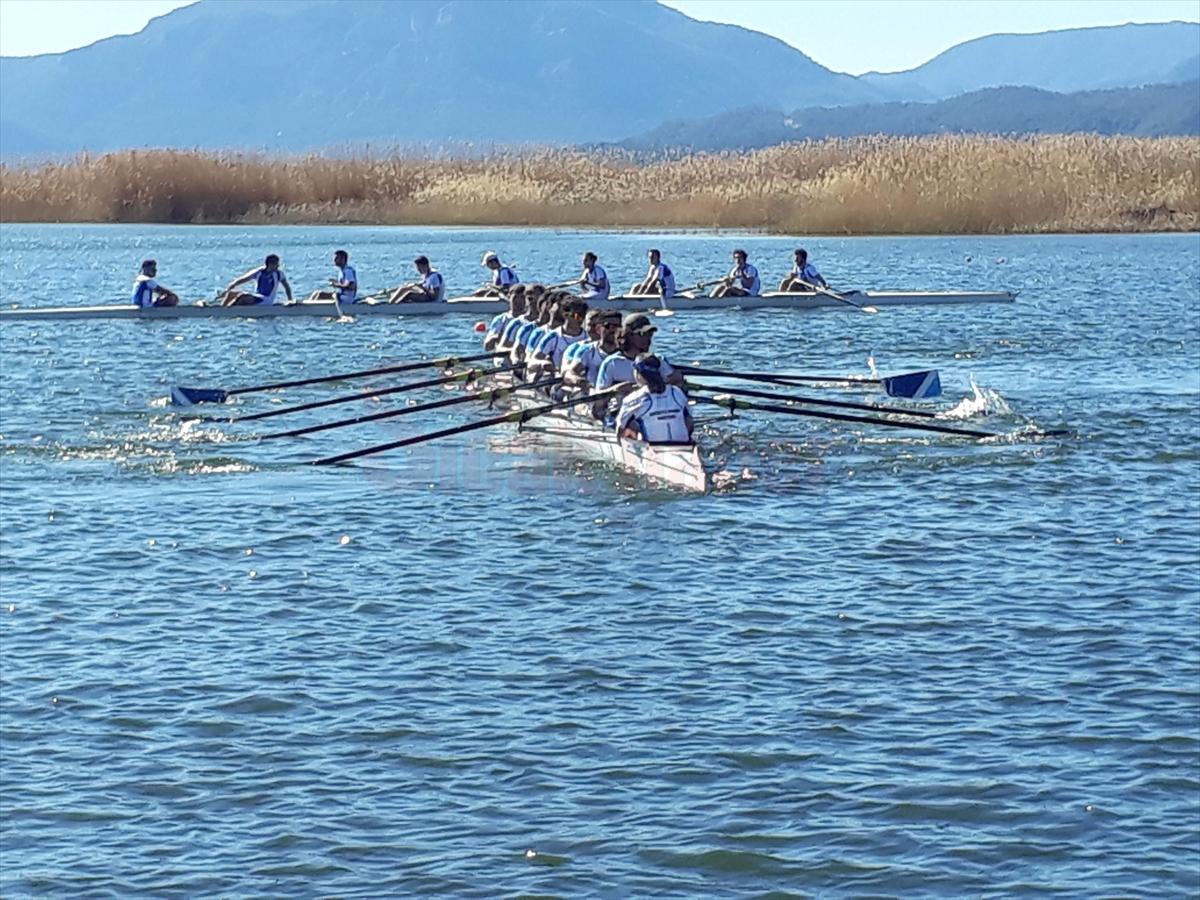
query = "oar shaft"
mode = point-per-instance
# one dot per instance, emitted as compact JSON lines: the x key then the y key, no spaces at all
{"x":443,"y":362}
{"x":813,"y":401}
{"x":732,"y":404}
{"x":366,"y":395}
{"x":518,"y":415}
{"x":771,"y":378}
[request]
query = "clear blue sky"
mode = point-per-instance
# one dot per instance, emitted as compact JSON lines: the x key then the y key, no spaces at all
{"x":844,"y":35}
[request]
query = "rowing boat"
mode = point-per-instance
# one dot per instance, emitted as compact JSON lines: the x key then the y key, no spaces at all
{"x":483,"y":307}
{"x":676,"y":465}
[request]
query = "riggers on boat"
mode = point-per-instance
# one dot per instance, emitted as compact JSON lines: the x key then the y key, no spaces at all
{"x":482,"y":306}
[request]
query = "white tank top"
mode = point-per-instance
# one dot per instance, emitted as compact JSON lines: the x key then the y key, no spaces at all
{"x":658,"y":418}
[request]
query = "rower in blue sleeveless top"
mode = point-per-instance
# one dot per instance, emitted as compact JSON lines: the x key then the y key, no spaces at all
{"x":148,"y":292}
{"x":267,"y":278}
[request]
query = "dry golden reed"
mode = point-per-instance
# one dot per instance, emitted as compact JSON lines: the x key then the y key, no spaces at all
{"x":877,"y":185}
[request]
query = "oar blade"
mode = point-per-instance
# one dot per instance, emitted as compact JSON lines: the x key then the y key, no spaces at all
{"x":189,"y":396}
{"x":914,"y":385}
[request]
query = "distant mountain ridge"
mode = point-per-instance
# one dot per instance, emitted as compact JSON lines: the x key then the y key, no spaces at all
{"x":1155,"y":111}
{"x":298,"y":75}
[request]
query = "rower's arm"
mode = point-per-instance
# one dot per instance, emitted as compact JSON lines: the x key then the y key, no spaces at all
{"x":249,"y":276}
{"x":286,"y":286}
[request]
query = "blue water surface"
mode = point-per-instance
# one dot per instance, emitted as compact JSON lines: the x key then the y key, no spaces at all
{"x":874,"y":663}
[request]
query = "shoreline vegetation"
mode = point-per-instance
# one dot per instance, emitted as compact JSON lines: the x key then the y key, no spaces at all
{"x":858,"y":186}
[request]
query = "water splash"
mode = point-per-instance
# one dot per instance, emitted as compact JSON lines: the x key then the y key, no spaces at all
{"x":982,"y":402}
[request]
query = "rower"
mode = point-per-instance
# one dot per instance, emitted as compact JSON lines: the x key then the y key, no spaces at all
{"x":503,"y":277}
{"x":593,"y":281}
{"x":147,"y":292}
{"x":430,"y":289}
{"x":637,"y":332}
{"x":656,"y":412}
{"x":508,"y":338}
{"x":267,"y":278}
{"x":581,"y":363}
{"x":659,"y":280}
{"x":802,"y":271}
{"x":516,"y":308}
{"x":742,"y":280}
{"x":568,"y":332}
{"x":542,"y":311}
{"x":344,"y":285}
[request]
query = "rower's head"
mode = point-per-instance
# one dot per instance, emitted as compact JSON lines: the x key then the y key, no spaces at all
{"x":516,"y":299}
{"x":589,"y":259}
{"x":534,"y":292}
{"x":739,"y":257}
{"x":149,"y":267}
{"x":647,"y":370}
{"x":801,"y":256}
{"x":340,"y":258}
{"x":655,"y":257}
{"x":491,"y":260}
{"x":422,"y":264}
{"x":592,"y":324}
{"x":574,"y":312}
{"x":271,"y":262}
{"x":610,"y":328}
{"x":637,"y":331}
{"x":549,"y":305}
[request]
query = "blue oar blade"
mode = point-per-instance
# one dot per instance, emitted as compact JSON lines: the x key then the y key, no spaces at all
{"x":187,"y":396}
{"x":914,"y":385}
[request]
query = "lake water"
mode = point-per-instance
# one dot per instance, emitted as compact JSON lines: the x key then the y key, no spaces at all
{"x":879,"y":663}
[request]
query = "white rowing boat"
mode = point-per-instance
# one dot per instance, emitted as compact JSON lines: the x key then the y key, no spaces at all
{"x":676,"y":465}
{"x":484,"y":307}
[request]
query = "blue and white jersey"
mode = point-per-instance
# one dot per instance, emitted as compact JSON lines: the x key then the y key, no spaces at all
{"x":499,"y":321}
{"x":526,"y":333}
{"x":143,"y":291}
{"x":595,"y":284}
{"x":347,"y":275}
{"x":556,"y":344}
{"x":658,"y":418}
{"x":747,"y":271}
{"x":434,"y":285}
{"x":809,"y":273}
{"x":575,"y":350}
{"x":592,"y":357}
{"x":266,"y":284}
{"x":512,"y":329}
{"x":504,"y":277}
{"x":617,"y":368}
{"x":664,"y":276}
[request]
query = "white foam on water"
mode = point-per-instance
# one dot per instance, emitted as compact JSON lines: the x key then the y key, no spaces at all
{"x":982,"y":402}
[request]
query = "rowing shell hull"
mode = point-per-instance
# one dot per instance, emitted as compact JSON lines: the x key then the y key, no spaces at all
{"x":478,"y":307}
{"x":677,"y":465}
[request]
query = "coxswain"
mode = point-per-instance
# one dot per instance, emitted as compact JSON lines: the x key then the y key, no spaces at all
{"x":343,"y":287}
{"x":656,"y":412}
{"x":568,"y":332}
{"x":503,"y":277}
{"x":803,"y":275}
{"x":659,"y":280}
{"x":148,"y":292}
{"x":430,"y":289}
{"x":742,"y":280}
{"x":516,"y":308}
{"x":581,"y":363}
{"x":593,"y":282}
{"x":267,"y":278}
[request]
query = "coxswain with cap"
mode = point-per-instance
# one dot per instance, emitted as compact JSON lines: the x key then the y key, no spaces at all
{"x":593,"y":282}
{"x":343,"y":287}
{"x":656,"y":412}
{"x":659,"y":280}
{"x":148,"y":292}
{"x":267,"y":278}
{"x":548,"y":356}
{"x":503,"y":277}
{"x":516,"y":308}
{"x":430,"y":289}
{"x":742,"y":280}
{"x":803,"y":275}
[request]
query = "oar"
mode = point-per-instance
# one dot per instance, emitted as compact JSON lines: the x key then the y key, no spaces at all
{"x":517,"y":415}
{"x":836,"y":296}
{"x":811,"y":401}
{"x":490,"y":396}
{"x":468,"y":375}
{"x":732,"y":405}
{"x":185,"y":396}
{"x":909,"y":386}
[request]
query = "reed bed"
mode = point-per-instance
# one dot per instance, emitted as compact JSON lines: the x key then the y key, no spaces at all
{"x":877,"y":185}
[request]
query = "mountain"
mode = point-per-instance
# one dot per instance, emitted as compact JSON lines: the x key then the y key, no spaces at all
{"x":1076,"y":59}
{"x":299,"y":74}
{"x":1149,"y":111}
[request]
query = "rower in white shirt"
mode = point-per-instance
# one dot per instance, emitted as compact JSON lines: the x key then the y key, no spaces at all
{"x":566,"y":331}
{"x":148,"y":292}
{"x":344,"y":286}
{"x":516,"y":308}
{"x":267,"y":278}
{"x":659,"y":280}
{"x":656,"y":412}
{"x":503,"y":277}
{"x":430,"y":289}
{"x":593,"y":281}
{"x":581,"y":363}
{"x":803,"y":275}
{"x":742,"y":280}
{"x":637,"y":332}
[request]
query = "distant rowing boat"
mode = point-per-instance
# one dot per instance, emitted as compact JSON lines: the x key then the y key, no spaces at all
{"x":482,"y":307}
